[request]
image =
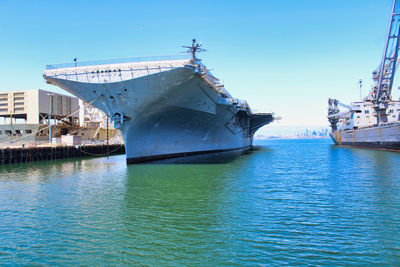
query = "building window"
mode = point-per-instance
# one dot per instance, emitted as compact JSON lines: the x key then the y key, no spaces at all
{"x":28,"y":131}
{"x":366,"y":111}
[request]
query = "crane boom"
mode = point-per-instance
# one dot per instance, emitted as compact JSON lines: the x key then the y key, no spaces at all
{"x":385,"y":75}
{"x":379,"y":100}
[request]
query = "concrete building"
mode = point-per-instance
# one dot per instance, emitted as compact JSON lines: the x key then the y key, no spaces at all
{"x":35,"y":106}
{"x":29,"y":117}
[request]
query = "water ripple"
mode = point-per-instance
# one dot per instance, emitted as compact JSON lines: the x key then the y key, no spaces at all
{"x":295,"y":202}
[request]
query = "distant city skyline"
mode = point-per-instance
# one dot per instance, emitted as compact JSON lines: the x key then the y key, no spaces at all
{"x":287,"y":57}
{"x":276,"y":130}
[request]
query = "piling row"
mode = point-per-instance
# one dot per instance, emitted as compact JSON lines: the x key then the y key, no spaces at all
{"x":30,"y":154}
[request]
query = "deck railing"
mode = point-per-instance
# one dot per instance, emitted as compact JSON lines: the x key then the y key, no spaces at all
{"x":116,"y":61}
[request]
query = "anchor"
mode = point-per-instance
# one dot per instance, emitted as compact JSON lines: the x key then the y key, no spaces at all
{"x":118,"y":120}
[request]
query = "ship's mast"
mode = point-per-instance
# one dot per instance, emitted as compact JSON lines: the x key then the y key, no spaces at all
{"x":381,"y":92}
{"x":193,"y":49}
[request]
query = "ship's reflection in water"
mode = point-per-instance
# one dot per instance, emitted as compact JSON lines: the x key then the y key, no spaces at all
{"x":208,"y":158}
{"x":287,"y":201}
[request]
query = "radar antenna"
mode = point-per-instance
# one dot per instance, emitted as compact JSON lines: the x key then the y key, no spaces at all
{"x":194,"y":48}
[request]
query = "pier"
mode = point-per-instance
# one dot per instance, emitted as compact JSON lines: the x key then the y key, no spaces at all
{"x":30,"y":154}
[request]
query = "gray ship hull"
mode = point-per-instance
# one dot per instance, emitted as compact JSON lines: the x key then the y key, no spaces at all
{"x":170,"y":114}
{"x":385,"y":137}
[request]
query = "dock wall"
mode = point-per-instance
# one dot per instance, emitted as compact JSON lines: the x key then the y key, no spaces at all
{"x":19,"y":155}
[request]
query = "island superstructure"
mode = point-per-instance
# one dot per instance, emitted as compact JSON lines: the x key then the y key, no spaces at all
{"x":165,"y":107}
{"x":373,"y":122}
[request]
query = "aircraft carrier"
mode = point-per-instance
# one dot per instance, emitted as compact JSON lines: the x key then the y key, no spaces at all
{"x":168,"y":106}
{"x":373,"y":122}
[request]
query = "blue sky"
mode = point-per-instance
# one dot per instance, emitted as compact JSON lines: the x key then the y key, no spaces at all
{"x":288,"y":57}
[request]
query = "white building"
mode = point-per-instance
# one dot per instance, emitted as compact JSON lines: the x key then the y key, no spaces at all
{"x":30,"y":116}
{"x":35,"y":106}
{"x":91,"y":117}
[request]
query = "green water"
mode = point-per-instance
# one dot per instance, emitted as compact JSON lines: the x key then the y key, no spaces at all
{"x":296,"y":202}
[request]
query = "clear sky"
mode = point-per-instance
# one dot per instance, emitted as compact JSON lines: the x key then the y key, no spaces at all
{"x":288,"y":57}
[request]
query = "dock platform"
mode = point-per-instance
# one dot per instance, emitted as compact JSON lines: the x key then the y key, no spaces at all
{"x":30,"y":154}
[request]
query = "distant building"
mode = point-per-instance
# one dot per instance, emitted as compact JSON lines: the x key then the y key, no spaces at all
{"x":35,"y":106}
{"x":89,"y":116}
{"x":29,"y":117}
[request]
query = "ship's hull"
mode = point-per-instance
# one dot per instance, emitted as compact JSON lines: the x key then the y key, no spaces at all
{"x":169,"y":114}
{"x":385,"y":137}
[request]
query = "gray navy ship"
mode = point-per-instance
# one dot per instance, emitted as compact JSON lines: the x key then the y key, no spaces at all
{"x":168,"y":106}
{"x":375,"y":121}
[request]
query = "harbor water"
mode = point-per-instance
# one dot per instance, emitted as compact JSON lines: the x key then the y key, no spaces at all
{"x":296,"y":202}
